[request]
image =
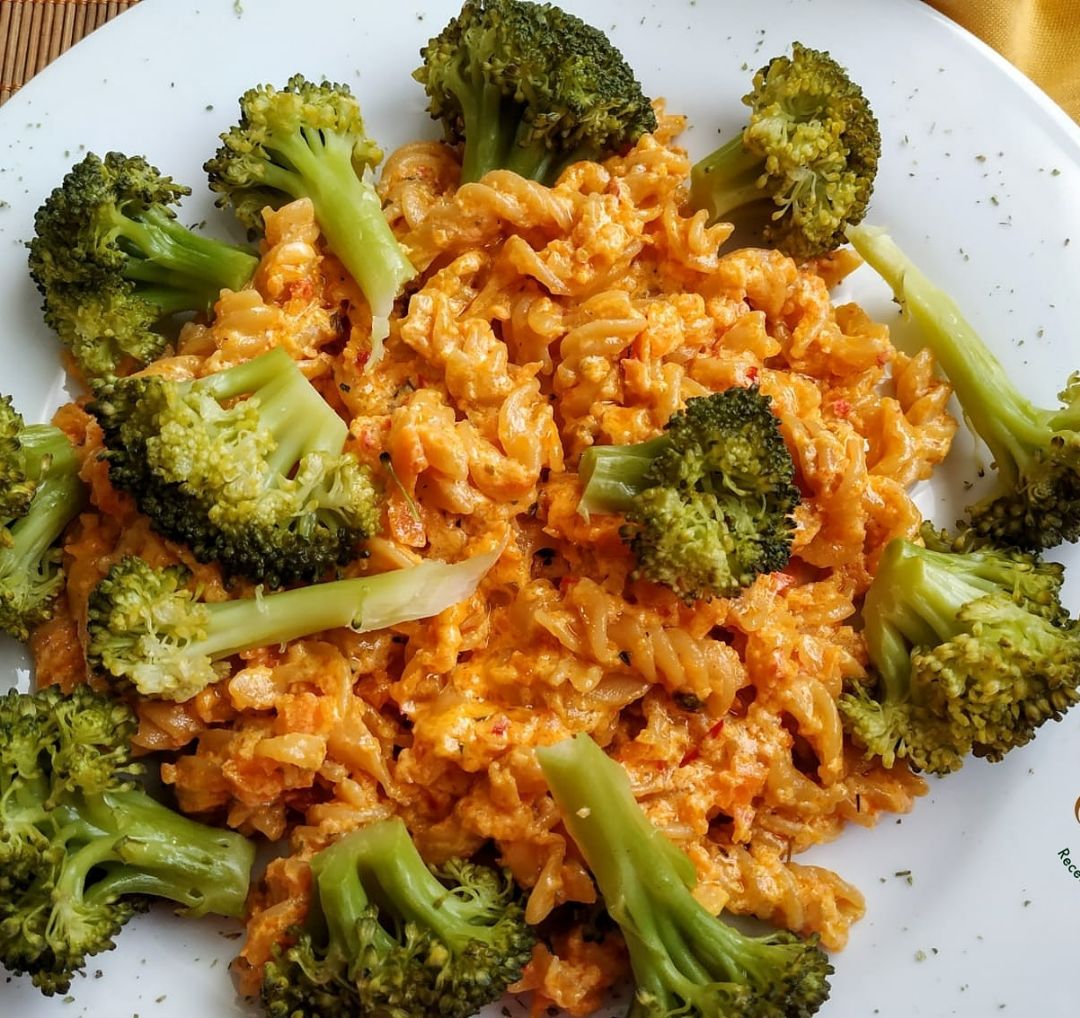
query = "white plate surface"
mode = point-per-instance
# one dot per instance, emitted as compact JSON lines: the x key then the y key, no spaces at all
{"x":980,"y":180}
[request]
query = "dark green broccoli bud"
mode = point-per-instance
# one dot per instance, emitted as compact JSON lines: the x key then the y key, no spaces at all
{"x":112,"y":262}
{"x":811,"y":148}
{"x":83,"y":847}
{"x":1036,"y":452}
{"x":530,"y":88}
{"x":387,"y":936}
{"x":686,"y":962}
{"x":308,"y":141}
{"x":145,"y":628}
{"x":263,"y":487}
{"x":972,"y":652}
{"x":709,"y":502}
{"x":42,"y":493}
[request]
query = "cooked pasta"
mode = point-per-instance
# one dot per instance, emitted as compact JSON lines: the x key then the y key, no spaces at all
{"x":546,"y":320}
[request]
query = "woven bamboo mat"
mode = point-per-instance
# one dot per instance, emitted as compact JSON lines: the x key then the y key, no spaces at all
{"x":33,"y":33}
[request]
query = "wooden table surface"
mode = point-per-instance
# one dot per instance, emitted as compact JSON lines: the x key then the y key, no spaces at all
{"x":33,"y":33}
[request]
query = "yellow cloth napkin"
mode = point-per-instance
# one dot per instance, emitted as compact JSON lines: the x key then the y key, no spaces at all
{"x":1040,"y":37}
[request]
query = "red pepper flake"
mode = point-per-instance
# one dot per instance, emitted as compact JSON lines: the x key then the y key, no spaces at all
{"x":752,"y":372}
{"x":841,"y":407}
{"x":566,"y":582}
{"x":363,"y":357}
{"x":695,"y":751}
{"x":500,"y":726}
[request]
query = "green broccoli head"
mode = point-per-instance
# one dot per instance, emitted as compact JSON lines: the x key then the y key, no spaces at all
{"x":972,"y":652}
{"x":811,"y":148}
{"x":146,"y":629}
{"x":1035,"y":451}
{"x":111,"y":262}
{"x":685,"y":961}
{"x":43,"y":495}
{"x":309,"y":141}
{"x":386,"y":935}
{"x":262,"y":487}
{"x":83,"y":847}
{"x":708,"y":504}
{"x":530,"y":88}
{"x":16,"y":487}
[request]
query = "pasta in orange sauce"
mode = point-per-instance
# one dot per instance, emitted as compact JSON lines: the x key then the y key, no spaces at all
{"x":545,"y":320}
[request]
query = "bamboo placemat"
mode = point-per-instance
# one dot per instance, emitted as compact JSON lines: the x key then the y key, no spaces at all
{"x":33,"y":33}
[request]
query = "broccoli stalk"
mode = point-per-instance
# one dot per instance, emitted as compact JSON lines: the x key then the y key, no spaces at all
{"x":972,"y":649}
{"x":42,"y":495}
{"x":1036,"y":452}
{"x":112,"y":261}
{"x":263,"y":487}
{"x":308,"y":141}
{"x":709,"y":502}
{"x":685,"y":961}
{"x":530,"y":88}
{"x":811,"y":148}
{"x":83,"y":847}
{"x":146,"y":629}
{"x":388,"y":936}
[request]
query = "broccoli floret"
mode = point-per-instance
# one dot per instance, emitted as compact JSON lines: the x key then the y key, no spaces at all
{"x":41,"y":493}
{"x":146,"y":629}
{"x":263,"y":487}
{"x":686,"y":962}
{"x":112,"y":262}
{"x":387,"y":936}
{"x":811,"y":148}
{"x":971,"y":648}
{"x":308,"y":141}
{"x":83,"y":847}
{"x":1036,"y":452}
{"x":709,"y":502}
{"x":529,"y":88}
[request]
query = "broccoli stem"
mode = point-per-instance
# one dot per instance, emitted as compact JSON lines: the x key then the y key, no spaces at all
{"x":167,"y":855}
{"x":622,"y":847}
{"x":613,"y":475}
{"x":916,"y":600}
{"x":289,"y":407}
{"x":1009,"y":424}
{"x":534,"y":160}
{"x":489,"y":126}
{"x":348,"y":211}
{"x":362,"y":604}
{"x":727,"y":179}
{"x":344,"y":902}
{"x":387,"y":858}
{"x":44,"y":448}
{"x":163,"y":252}
{"x":56,"y":500}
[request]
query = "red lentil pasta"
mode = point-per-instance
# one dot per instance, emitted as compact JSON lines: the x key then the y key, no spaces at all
{"x":545,"y":320}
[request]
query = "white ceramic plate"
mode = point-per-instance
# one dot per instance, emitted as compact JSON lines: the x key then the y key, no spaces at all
{"x":980,"y":180}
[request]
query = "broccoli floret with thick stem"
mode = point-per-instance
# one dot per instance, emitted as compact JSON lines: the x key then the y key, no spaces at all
{"x":308,"y":141}
{"x":147,"y":629}
{"x":811,"y":149}
{"x":262,"y":487}
{"x":83,"y":847}
{"x":387,"y":936}
{"x":112,"y":262}
{"x":530,"y":88}
{"x":1036,"y":452}
{"x":972,"y":652}
{"x":41,"y":494}
{"x":709,"y":502}
{"x":686,"y":962}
